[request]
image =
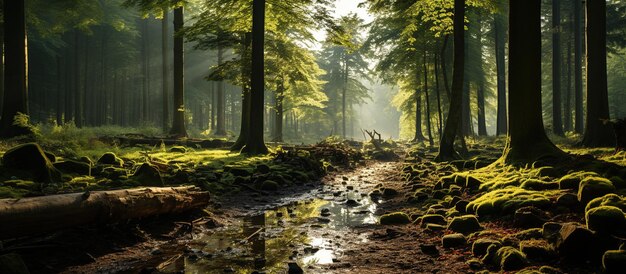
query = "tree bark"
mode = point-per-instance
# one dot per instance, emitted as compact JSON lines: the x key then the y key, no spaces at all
{"x":480,"y":82}
{"x":343,"y":94}
{"x":578,"y":68}
{"x":59,"y":91}
{"x":278,"y":118}
{"x":427,"y":101}
{"x":466,"y":115}
{"x":78,"y":96}
{"x":437,"y":89}
{"x":166,"y":67}
{"x":16,"y":69}
{"x":419,"y":136}
{"x":145,"y":39}
{"x":255,"y":144}
{"x":49,"y":213}
{"x":245,"y":94}
{"x":527,"y":140}
{"x":1,"y":66}
{"x":446,"y":148}
{"x":557,"y":118}
{"x":220,"y":130}
{"x":598,"y":133}
{"x":567,"y":117}
{"x":178,"y":126}
{"x":500,"y":41}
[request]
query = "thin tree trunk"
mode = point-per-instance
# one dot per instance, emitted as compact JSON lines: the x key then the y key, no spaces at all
{"x":480,"y":83}
{"x":446,"y":148}
{"x":1,"y":67}
{"x":59,"y":91}
{"x":343,"y":95}
{"x":527,"y":140}
{"x":500,"y":41}
{"x":578,"y":68}
{"x":178,"y":126}
{"x":427,"y":99}
{"x":568,"y":93}
{"x":78,"y":98}
{"x":86,"y":91}
{"x":221,"y":110}
{"x":444,"y":71}
{"x":557,"y":118}
{"x":598,"y":133}
{"x":144,"y":71}
{"x":69,"y":87}
{"x":166,"y":74}
{"x":437,"y":89}
{"x":278,"y":122}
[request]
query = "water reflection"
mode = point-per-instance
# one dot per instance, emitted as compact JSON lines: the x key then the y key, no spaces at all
{"x":266,"y":242}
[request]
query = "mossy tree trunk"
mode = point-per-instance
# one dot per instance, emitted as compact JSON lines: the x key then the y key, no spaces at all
{"x":446,"y":147}
{"x":178,"y":126}
{"x":255,"y":143}
{"x":598,"y":133}
{"x":527,"y":138}
{"x":15,"y":73}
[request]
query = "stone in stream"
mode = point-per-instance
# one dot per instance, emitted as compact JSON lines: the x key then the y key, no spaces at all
{"x":31,"y":159}
{"x":352,"y":203}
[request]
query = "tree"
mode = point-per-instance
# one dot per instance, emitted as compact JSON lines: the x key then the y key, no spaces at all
{"x":166,"y":75}
{"x":446,"y":147}
{"x":255,"y":144}
{"x":178,"y":126}
{"x":578,"y":68}
{"x":15,"y":75}
{"x":527,"y":140}
{"x":597,"y":132}
{"x":557,"y":120}
{"x":500,"y":45}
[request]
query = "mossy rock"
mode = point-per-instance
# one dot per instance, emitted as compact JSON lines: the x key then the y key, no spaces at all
{"x":480,"y":246}
{"x":472,"y":182}
{"x":110,"y":158}
{"x":13,"y":264}
{"x":614,"y":261}
{"x":30,"y":158}
{"x":395,"y":218}
{"x":453,"y":240}
{"x":269,"y":185}
{"x":433,"y":219}
{"x":178,"y":149}
{"x":389,"y":192}
{"x":537,"y":250}
{"x":510,"y":258}
{"x":549,"y":270}
{"x":263,"y":169}
{"x":22,"y":184}
{"x":506,"y":201}
{"x":618,"y":182}
{"x":568,"y":200}
{"x":550,"y":231}
{"x":594,"y":187}
{"x":465,"y":224}
{"x":528,"y":234}
{"x":528,"y":217}
{"x":51,"y":157}
{"x":9,"y":192}
{"x":534,"y":184}
{"x":572,"y":181}
{"x":607,"y":200}
{"x":605,"y":219}
{"x":148,"y":175}
{"x":435,"y":227}
{"x":73,"y":167}
{"x":238,"y":171}
{"x":114,"y":173}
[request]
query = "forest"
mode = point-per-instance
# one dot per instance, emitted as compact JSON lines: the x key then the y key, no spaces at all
{"x":312,"y":136}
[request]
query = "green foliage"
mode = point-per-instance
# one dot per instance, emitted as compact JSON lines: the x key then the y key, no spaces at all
{"x":507,"y":200}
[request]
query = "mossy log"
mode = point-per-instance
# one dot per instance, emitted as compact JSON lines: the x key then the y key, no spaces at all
{"x":21,"y":217}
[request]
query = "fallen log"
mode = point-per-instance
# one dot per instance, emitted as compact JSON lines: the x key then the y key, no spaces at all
{"x":21,"y":217}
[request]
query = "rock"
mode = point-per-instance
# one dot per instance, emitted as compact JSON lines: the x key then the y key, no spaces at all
{"x":529,"y":216}
{"x":537,"y":250}
{"x":435,"y":227}
{"x":352,"y":203}
{"x":460,"y":206}
{"x":178,"y":149}
{"x":30,"y":158}
{"x":86,"y":160}
{"x":510,"y":258}
{"x":433,"y":219}
{"x":269,"y":185}
{"x":389,"y":193}
{"x":534,"y":184}
{"x":572,"y":181}
{"x":607,"y":200}
{"x":465,"y":224}
{"x":480,"y":246}
{"x":453,"y":240}
{"x":549,"y":270}
{"x":263,"y":169}
{"x":594,"y":187}
{"x":574,"y":241}
{"x":148,"y":175}
{"x":429,"y":249}
{"x":474,"y":264}
{"x":395,"y":218}
{"x":73,"y":167}
{"x":51,"y":157}
{"x":614,"y":261}
{"x":238,"y":171}
{"x":110,"y":158}
{"x":606,"y":219}
{"x":568,"y":200}
{"x":550,"y":231}
{"x":294,"y":268}
{"x":472,"y":182}
{"x":13,"y":264}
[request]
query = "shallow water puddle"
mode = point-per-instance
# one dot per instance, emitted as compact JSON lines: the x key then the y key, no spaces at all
{"x":307,"y":232}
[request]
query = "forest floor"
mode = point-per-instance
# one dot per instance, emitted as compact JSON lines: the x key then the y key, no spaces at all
{"x":364,"y":216}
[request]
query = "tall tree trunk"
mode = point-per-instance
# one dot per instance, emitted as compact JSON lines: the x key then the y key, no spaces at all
{"x":427,"y":100}
{"x":480,"y":82}
{"x":446,"y":148}
{"x":166,"y":74}
{"x":221,"y":110}
{"x":444,"y":70}
{"x":178,"y":125}
{"x":597,"y":132}
{"x":480,"y":98}
{"x":578,"y":68}
{"x":245,"y":94}
{"x":144,"y":70}
{"x":500,"y":41}
{"x":343,"y":95}
{"x":466,"y":115}
{"x":568,"y":91}
{"x":278,"y":122}
{"x":59,"y":91}
{"x":419,"y":136}
{"x":557,"y":119}
{"x":437,"y":89}
{"x":78,"y":97}
{"x":255,"y":144}
{"x":16,"y":67}
{"x":527,"y":140}
{"x":86,"y":91}
{"x":1,"y":66}
{"x":69,"y":86}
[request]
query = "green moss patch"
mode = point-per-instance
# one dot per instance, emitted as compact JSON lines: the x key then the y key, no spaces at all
{"x":508,"y":200}
{"x":594,"y":187}
{"x":395,"y":218}
{"x":605,"y":219}
{"x":465,"y":224}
